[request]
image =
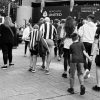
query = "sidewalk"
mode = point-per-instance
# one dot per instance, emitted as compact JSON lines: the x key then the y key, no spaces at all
{"x":16,"y":83}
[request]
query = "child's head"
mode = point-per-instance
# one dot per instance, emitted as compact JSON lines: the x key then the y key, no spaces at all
{"x":36,"y":26}
{"x":75,"y":36}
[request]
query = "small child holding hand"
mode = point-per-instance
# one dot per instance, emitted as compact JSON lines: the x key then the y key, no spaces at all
{"x":77,"y":53}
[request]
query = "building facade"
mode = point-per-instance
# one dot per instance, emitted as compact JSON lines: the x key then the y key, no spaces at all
{"x":56,"y":9}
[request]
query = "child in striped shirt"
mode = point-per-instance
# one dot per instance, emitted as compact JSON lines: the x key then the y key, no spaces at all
{"x":34,"y":38}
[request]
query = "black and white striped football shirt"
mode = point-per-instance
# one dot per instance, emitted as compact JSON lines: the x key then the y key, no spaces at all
{"x":34,"y":36}
{"x":48,"y":31}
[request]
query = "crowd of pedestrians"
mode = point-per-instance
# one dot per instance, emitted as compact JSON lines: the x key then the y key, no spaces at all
{"x":78,"y":43}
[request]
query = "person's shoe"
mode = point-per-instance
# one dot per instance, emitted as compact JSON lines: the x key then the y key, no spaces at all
{"x":47,"y":72}
{"x":43,"y":67}
{"x":86,"y":74}
{"x":59,"y":59}
{"x":64,"y":75}
{"x":33,"y":71}
{"x":4,"y":67}
{"x":30,"y":69}
{"x":11,"y":64}
{"x":82,"y":90}
{"x":96,"y":88}
{"x":70,"y":90}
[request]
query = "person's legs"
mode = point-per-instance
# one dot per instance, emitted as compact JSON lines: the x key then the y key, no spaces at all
{"x":72,"y":76}
{"x":80,"y":70}
{"x":87,"y":63}
{"x":43,"y":61}
{"x":33,"y":60}
{"x":66,"y":61}
{"x":49,"y":58}
{"x":59,"y":49}
{"x":97,"y":86}
{"x":55,"y":51}
{"x":34,"y":63}
{"x":5,"y":54}
{"x":26,"y":45}
{"x":98,"y":75}
{"x":10,"y":53}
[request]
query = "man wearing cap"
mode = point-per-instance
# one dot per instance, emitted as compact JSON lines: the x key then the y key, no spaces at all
{"x":48,"y":32}
{"x":87,"y":33}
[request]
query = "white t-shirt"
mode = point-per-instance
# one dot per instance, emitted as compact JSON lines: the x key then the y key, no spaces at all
{"x":67,"y":43}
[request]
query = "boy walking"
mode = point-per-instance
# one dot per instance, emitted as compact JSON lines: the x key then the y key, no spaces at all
{"x":77,"y":53}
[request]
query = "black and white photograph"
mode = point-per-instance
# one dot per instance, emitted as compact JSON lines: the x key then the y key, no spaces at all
{"x":49,"y":49}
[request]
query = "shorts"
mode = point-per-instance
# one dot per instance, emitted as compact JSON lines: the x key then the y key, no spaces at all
{"x":97,"y":60}
{"x":33,"y":52}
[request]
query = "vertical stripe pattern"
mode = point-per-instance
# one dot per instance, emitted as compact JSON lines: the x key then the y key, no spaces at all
{"x":34,"y":38}
{"x":48,"y":31}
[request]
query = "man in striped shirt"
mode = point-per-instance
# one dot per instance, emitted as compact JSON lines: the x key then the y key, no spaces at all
{"x":48,"y":32}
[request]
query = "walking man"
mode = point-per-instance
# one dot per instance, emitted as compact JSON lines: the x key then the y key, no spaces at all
{"x":48,"y":32}
{"x":87,"y":33}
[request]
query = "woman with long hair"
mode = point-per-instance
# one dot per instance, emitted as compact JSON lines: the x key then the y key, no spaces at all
{"x":7,"y":41}
{"x":70,"y":26}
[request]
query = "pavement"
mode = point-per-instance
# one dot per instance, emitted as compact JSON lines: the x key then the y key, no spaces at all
{"x":16,"y":83}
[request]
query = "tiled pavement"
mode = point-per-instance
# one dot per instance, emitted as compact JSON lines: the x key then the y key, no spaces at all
{"x":16,"y":83}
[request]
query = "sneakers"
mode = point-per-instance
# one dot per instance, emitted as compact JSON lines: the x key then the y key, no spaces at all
{"x":82,"y":90}
{"x":86,"y":74}
{"x":96,"y":88}
{"x":30,"y":69}
{"x":47,"y":72}
{"x":43,"y":67}
{"x":64,"y":75}
{"x":70,"y":90}
{"x":11,"y":64}
{"x":4,"y":67}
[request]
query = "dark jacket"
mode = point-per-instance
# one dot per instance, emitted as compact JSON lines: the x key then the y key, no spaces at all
{"x":5,"y":35}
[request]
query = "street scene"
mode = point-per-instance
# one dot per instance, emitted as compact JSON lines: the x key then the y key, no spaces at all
{"x":49,"y":49}
{"x":17,"y":83}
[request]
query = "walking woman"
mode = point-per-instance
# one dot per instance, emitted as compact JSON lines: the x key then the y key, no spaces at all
{"x":7,"y":40}
{"x":70,"y":26}
{"x":96,"y":50}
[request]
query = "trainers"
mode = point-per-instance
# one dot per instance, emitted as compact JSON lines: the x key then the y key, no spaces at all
{"x":43,"y":67}
{"x":86,"y":74}
{"x":64,"y":75}
{"x":96,"y":88}
{"x":11,"y":64}
{"x":82,"y":90}
{"x":33,"y":71}
{"x":30,"y":69}
{"x":4,"y":67}
{"x":47,"y":72}
{"x":70,"y":90}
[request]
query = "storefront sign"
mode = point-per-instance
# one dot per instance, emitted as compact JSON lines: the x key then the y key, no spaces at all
{"x":88,"y":9}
